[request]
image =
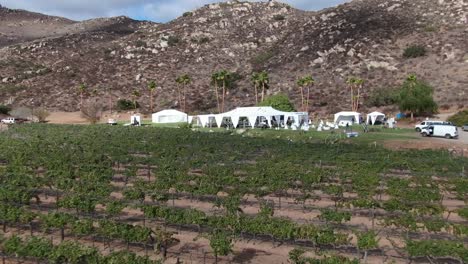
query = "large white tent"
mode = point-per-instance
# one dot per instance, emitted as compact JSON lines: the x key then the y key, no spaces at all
{"x":254,"y":115}
{"x":169,"y":116}
{"x":347,"y":118}
{"x":374,"y":117}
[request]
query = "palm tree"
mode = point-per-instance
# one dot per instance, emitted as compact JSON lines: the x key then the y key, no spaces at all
{"x":82,"y":89}
{"x":308,"y":82}
{"x":301,"y":85}
{"x":263,"y":80}
{"x":214,"y":81}
{"x":224,"y":77}
{"x":184,"y":80}
{"x":254,"y":79}
{"x":355,"y":84}
{"x":135,"y":95}
{"x":110,"y":99}
{"x":151,"y":88}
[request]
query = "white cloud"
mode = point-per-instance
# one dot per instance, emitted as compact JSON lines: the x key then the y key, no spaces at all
{"x":156,"y":10}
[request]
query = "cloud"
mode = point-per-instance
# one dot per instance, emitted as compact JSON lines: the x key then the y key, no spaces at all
{"x":155,"y":10}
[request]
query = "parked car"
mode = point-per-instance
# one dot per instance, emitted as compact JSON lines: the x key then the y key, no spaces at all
{"x":465,"y":127}
{"x":111,"y":122}
{"x":447,"y":131}
{"x":8,"y":120}
{"x":426,"y":123}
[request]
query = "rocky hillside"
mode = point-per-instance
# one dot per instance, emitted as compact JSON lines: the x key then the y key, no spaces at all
{"x":364,"y":38}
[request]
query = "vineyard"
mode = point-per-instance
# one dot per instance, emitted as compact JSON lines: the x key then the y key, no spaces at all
{"x":99,"y":194}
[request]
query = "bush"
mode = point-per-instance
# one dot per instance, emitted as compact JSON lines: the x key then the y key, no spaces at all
{"x":140,"y":43}
{"x":460,"y":118}
{"x":4,"y":109}
{"x":22,"y":112}
{"x":92,"y":111}
{"x":279,"y":102}
{"x":124,"y":105}
{"x":187,"y":14}
{"x":262,"y":58}
{"x":414,"y":51}
{"x":41,"y":114}
{"x":279,"y":17}
{"x":173,"y":40}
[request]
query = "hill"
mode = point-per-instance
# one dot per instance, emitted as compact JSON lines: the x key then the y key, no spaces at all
{"x":364,"y":38}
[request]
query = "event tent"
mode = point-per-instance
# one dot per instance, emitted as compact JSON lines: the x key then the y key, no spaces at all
{"x":374,"y":117}
{"x":254,"y":115}
{"x":169,"y":116}
{"x":347,"y":118}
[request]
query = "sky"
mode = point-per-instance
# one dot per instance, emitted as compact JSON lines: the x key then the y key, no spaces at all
{"x":153,"y":10}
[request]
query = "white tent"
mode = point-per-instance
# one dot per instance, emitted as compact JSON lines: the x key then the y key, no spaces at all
{"x":374,"y":117}
{"x":347,"y":118}
{"x":169,"y":116}
{"x":256,"y":115}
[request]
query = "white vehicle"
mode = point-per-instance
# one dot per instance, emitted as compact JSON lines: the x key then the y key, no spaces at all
{"x":8,"y":120}
{"x":426,"y":123}
{"x":111,"y":122}
{"x":447,"y":131}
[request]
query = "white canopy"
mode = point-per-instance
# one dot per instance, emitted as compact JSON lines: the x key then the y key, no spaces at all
{"x":169,"y":116}
{"x":347,"y":118}
{"x":255,"y":114}
{"x":374,"y":116}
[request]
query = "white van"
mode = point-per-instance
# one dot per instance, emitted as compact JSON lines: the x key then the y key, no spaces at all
{"x":426,"y":123}
{"x":447,"y":131}
{"x":8,"y":120}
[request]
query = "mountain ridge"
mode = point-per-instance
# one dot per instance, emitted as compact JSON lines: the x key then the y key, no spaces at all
{"x":364,"y":38}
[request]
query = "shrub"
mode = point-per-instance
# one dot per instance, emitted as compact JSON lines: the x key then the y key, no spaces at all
{"x":140,"y":43}
{"x":460,"y":118}
{"x":262,"y":57}
{"x":187,"y":14}
{"x":41,"y":114}
{"x":280,"y":102}
{"x":92,"y":111}
{"x":4,"y":109}
{"x":414,"y":51}
{"x":173,"y":40}
{"x":124,"y":105}
{"x":279,"y":17}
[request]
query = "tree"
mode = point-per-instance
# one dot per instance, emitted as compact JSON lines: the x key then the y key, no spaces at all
{"x":263,"y":81}
{"x":41,"y":114}
{"x":183,"y":80}
{"x":306,"y":82}
{"x":151,"y":88}
{"x":221,"y":243}
{"x":355,"y":85}
{"x":223,"y":78}
{"x":254,"y":79}
{"x":110,"y":99}
{"x":4,"y":109}
{"x":416,"y":97}
{"x":135,"y":95}
{"x":214,"y":82}
{"x":279,"y":101}
{"x":82,"y":89}
{"x":92,"y":112}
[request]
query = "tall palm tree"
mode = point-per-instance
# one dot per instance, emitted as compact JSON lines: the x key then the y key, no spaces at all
{"x":110,"y":99}
{"x":82,"y":89}
{"x":355,"y":85}
{"x":184,"y":80}
{"x":264,"y":81}
{"x":214,"y":81}
{"x":254,"y":79}
{"x":305,"y":81}
{"x":151,"y":88}
{"x":135,"y":95}
{"x":224,"y":77}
